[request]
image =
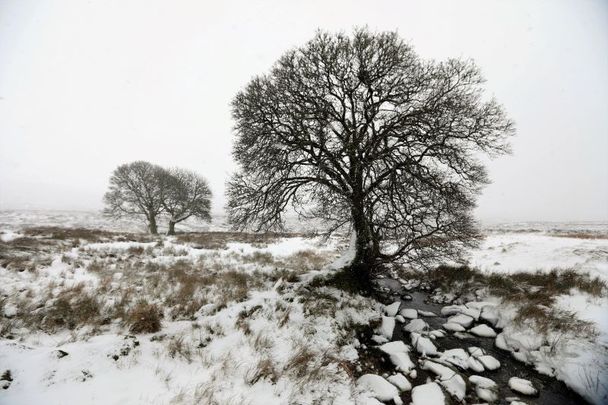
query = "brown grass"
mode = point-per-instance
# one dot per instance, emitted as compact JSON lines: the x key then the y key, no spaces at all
{"x":178,"y":348}
{"x":306,"y":260}
{"x":546,"y":319}
{"x":300,"y":363}
{"x":309,"y":367}
{"x":144,"y":318}
{"x":71,"y":309}
{"x":261,"y":258}
{"x":59,"y":233}
{"x":219,"y":240}
{"x":540,"y":287}
{"x":136,"y":250}
{"x":242,"y":320}
{"x":535,"y":293}
{"x":578,"y":234}
{"x":263,"y":370}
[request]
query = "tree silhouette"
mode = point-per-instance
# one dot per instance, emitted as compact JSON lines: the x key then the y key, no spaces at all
{"x":361,"y":132}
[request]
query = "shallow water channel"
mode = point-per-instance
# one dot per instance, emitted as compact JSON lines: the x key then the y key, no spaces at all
{"x":551,"y":390}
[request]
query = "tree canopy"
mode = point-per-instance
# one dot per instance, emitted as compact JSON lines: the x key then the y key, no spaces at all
{"x":359,"y":131}
{"x":186,"y":195}
{"x":143,"y":189}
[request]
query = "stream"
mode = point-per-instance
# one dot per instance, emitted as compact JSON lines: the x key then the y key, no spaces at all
{"x":551,"y":390}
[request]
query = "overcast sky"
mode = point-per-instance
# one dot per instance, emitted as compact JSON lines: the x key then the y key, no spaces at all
{"x":88,"y":85}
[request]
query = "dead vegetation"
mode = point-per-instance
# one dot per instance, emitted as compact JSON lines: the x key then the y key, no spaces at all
{"x":144,"y":318}
{"x":60,"y":233}
{"x":534,"y":293}
{"x":578,"y":234}
{"x":178,"y":347}
{"x":264,"y":369}
{"x":538,"y":287}
{"x":549,"y":319}
{"x":308,"y":366}
{"x":89,"y":235}
{"x":71,"y":308}
{"x":220,"y":240}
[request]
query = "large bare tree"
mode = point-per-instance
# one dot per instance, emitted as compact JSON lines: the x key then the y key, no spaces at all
{"x":136,"y":189}
{"x":186,"y":195}
{"x":360,"y":131}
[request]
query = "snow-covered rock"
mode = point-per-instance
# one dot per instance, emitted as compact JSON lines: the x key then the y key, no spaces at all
{"x":437,"y":333}
{"x":10,"y":310}
{"x":387,"y":327}
{"x":415,"y":325}
{"x":489,"y":362}
{"x":522,"y":386}
{"x":453,"y":327}
{"x":423,"y":345}
{"x":409,"y":313}
{"x":379,"y":339}
{"x":460,"y":309}
{"x":394,"y":347}
{"x":483,"y":331}
{"x":489,"y":314}
{"x":379,"y":388}
{"x":453,"y":383}
{"x":368,"y":401}
{"x":500,"y":342}
{"x":427,"y":314}
{"x":402,"y":362}
{"x":480,"y":304}
{"x":391,"y":310}
{"x":457,"y":357}
{"x":485,"y":388}
{"x":428,"y":394}
{"x":475,"y":364}
{"x":398,"y":354}
{"x":461,"y":319}
{"x":399,"y":381}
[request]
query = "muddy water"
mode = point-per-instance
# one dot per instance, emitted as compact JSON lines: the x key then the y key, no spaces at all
{"x":551,"y":391}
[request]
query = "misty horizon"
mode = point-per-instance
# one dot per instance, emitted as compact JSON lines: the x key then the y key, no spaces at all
{"x":85,"y":87}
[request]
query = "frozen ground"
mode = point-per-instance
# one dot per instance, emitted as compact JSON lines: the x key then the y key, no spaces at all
{"x":512,"y":251}
{"x":241,"y":321}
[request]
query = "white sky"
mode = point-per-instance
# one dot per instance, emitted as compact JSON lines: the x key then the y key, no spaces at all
{"x":88,"y":85}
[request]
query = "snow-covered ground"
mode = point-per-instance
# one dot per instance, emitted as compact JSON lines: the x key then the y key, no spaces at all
{"x":269,"y":343}
{"x":579,"y":361}
{"x":242,"y":323}
{"x":509,"y":252}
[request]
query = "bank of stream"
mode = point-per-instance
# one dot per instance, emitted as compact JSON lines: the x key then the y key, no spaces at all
{"x":551,"y":390}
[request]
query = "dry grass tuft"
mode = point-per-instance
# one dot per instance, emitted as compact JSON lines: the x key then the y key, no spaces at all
{"x":535,"y":293}
{"x":177,"y":347}
{"x":546,"y":319}
{"x":261,"y":258}
{"x":308,"y":367}
{"x":70,"y":309}
{"x":59,"y":233}
{"x":144,"y":318}
{"x":578,"y":234}
{"x":263,"y":370}
{"x":306,"y":260}
{"x":219,"y":240}
{"x":300,"y":363}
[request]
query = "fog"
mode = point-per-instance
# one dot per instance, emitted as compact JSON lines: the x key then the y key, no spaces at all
{"x":86,"y":86}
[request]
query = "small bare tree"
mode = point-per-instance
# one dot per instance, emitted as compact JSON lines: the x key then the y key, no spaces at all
{"x":136,"y":189}
{"x":360,"y":131}
{"x":186,"y":195}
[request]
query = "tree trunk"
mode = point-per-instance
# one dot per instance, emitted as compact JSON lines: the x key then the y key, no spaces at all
{"x":171,"y":230}
{"x":365,"y":257}
{"x":152,"y":225}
